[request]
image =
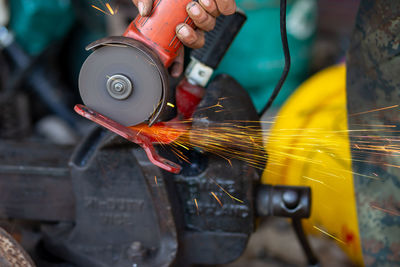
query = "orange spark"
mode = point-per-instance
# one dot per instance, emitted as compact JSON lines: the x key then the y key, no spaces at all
{"x":218,"y":105}
{"x":391,"y":212}
{"x":226,"y":192}
{"x":155,"y":179}
{"x":328,"y":234}
{"x":215,"y":196}
{"x":197,"y":206}
{"x":245,"y":141}
{"x":99,"y":9}
{"x":373,"y":110}
{"x":391,"y":165}
{"x":109,"y":8}
{"x":376,"y":125}
{"x":318,"y":181}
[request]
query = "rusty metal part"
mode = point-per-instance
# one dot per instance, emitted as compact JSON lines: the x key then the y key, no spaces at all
{"x":154,"y":82}
{"x":373,"y":82}
{"x":131,"y":135}
{"x":11,"y":253}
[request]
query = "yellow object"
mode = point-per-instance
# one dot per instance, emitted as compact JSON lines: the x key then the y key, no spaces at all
{"x":309,"y":145}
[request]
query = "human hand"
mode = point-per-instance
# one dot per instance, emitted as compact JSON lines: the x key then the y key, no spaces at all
{"x":203,"y":13}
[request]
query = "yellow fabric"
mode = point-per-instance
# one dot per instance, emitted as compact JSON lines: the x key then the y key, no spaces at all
{"x":309,"y":145}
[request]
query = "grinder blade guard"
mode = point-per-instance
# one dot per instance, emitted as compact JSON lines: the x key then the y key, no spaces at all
{"x":123,"y":80}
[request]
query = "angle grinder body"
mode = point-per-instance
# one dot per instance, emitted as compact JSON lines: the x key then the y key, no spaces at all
{"x":126,"y":78}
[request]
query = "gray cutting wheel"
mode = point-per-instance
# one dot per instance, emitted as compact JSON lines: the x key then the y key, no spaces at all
{"x":108,"y":61}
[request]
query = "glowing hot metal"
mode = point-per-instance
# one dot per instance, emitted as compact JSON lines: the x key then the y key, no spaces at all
{"x":130,"y":134}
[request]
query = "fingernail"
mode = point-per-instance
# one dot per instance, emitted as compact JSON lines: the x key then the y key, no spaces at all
{"x":207,"y":3}
{"x":141,"y":9}
{"x":194,"y":9}
{"x":184,"y":31}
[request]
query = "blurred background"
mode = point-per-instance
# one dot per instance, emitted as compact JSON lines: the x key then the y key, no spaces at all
{"x":42,"y":47}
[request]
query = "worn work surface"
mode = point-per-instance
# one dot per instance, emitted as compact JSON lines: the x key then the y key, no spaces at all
{"x":373,"y":83}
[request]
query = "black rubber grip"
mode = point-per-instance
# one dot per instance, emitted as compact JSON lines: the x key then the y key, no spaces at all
{"x":219,"y":40}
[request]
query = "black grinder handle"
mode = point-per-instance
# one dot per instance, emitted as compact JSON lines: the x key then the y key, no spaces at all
{"x":219,"y":39}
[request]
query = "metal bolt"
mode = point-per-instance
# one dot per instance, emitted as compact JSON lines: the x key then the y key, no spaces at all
{"x":291,"y":199}
{"x":119,"y":87}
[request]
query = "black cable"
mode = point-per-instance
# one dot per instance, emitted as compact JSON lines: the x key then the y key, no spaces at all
{"x":286,"y":52}
{"x":297,"y":225}
{"x":298,"y":228}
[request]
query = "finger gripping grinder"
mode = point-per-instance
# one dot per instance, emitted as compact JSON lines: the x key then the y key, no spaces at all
{"x":125,"y":78}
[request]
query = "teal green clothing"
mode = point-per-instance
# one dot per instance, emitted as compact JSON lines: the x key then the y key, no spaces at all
{"x":256,"y":58}
{"x":36,"y":23}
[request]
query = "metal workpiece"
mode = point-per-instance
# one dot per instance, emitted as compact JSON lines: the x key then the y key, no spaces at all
{"x":132,"y":135}
{"x":283,"y":201}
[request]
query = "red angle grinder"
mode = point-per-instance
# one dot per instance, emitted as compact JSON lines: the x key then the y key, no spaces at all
{"x":125,"y":81}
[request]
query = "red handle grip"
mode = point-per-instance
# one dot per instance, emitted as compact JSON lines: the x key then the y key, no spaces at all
{"x":158,"y":30}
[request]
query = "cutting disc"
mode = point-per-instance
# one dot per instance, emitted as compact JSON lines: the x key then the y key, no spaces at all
{"x":113,"y":67}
